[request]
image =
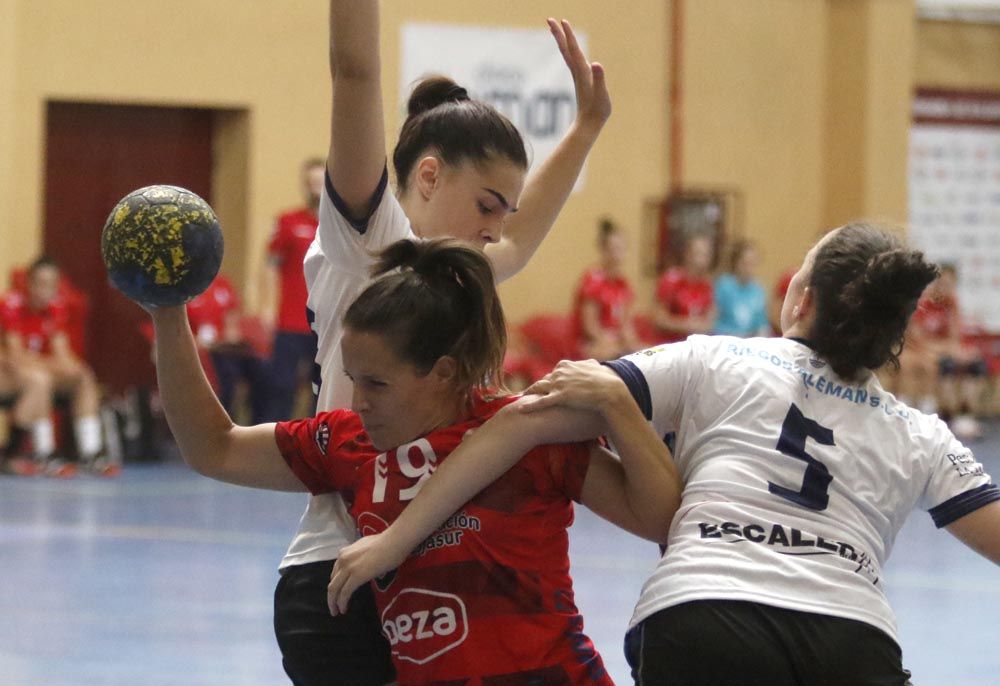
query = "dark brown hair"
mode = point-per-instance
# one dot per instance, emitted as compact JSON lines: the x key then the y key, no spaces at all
{"x":441,"y":117}
{"x":866,"y":285}
{"x":436,"y":298}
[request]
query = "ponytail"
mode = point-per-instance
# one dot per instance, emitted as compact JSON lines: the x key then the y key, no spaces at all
{"x":436,"y":298}
{"x":444,"y":120}
{"x":866,"y":286}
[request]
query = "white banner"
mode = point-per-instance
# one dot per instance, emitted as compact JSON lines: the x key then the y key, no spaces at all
{"x":519,"y":71}
{"x":955,"y":210}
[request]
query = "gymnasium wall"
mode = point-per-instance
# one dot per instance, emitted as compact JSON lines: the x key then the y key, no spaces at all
{"x":803,"y":106}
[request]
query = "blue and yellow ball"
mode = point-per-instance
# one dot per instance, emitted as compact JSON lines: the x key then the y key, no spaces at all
{"x":162,"y":246}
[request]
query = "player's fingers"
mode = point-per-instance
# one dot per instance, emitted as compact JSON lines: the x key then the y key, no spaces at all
{"x":571,"y":43}
{"x":337,"y":579}
{"x":539,"y":402}
{"x":344,"y":597}
{"x":540,"y":387}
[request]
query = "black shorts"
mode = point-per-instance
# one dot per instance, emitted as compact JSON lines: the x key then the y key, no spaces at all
{"x":727,"y":642}
{"x":318,"y":649}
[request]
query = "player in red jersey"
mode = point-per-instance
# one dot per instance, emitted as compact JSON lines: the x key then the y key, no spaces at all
{"x":489,"y":595}
{"x":294,"y":341}
{"x":603,"y":311}
{"x":684,"y":298}
{"x":936,"y":359}
{"x":35,"y":334}
{"x":216,"y":317}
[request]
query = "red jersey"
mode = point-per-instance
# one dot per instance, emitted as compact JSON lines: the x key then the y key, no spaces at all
{"x":489,"y":593}
{"x":293,"y":234}
{"x":683,"y":296}
{"x":935,"y":316}
{"x":611,"y":294}
{"x":208,"y":311}
{"x":37,"y":328}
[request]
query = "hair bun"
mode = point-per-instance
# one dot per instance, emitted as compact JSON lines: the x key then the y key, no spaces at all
{"x":432,"y":91}
{"x":896,"y":278}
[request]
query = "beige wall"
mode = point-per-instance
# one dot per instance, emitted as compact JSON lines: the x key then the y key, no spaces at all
{"x":802,"y":106}
{"x":958,"y":55}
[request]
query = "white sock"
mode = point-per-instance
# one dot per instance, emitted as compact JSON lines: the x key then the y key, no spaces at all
{"x":88,"y":435}
{"x":43,"y":436}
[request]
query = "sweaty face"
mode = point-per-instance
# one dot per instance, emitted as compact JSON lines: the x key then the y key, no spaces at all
{"x":396,"y":402}
{"x":43,"y":286}
{"x":472,"y":201}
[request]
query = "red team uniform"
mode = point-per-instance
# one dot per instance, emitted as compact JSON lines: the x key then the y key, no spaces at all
{"x":935,"y":317}
{"x":293,"y":234}
{"x":37,"y":328}
{"x":683,"y":296}
{"x":612,"y":294}
{"x":487,"y":599}
{"x":207,"y":313}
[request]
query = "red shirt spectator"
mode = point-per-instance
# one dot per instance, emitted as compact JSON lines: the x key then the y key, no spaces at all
{"x":36,"y":327}
{"x":936,"y":317}
{"x":293,"y":234}
{"x":208,"y":312}
{"x":611,"y":293}
{"x":683,"y":296}
{"x":489,"y":593}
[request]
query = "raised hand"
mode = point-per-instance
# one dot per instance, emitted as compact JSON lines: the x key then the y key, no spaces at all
{"x":593,"y":103}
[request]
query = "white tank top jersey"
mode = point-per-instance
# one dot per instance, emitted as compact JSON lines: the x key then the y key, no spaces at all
{"x":796,"y":481}
{"x":336,"y":270}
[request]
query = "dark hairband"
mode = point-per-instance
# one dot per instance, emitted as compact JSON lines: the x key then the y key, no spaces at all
{"x":457,"y":93}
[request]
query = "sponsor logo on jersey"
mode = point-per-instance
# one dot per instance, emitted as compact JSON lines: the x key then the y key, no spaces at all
{"x":421,"y":624}
{"x":965,"y":464}
{"x":323,"y":437}
{"x":450,"y":533}
{"x":788,"y":540}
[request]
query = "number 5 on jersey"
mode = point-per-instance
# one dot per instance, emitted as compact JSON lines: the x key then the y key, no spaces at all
{"x":816,"y":482}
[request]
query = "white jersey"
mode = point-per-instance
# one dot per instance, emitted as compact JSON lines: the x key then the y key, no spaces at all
{"x":337,"y":271}
{"x":796,"y":482}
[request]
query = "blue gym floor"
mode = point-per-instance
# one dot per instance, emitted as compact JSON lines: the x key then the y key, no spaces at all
{"x":162,"y":577}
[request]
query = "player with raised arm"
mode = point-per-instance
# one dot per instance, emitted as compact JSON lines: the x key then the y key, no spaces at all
{"x":799,"y":470}
{"x":460,"y":170}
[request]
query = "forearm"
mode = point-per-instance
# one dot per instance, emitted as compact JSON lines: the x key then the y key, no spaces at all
{"x":198,"y":422}
{"x":482,"y":458}
{"x":651,"y":480}
{"x":543,"y":198}
{"x":353,"y":53}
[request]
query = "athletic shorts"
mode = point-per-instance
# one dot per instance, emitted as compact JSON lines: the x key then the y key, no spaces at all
{"x":733,"y":642}
{"x":318,"y":649}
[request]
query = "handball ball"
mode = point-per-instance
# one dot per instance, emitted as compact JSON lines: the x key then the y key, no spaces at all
{"x":162,"y":246}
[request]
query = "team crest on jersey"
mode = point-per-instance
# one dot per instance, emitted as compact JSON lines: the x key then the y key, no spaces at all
{"x":816,"y":363}
{"x":323,"y":437}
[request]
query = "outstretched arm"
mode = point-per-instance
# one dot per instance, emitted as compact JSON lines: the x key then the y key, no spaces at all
{"x":357,"y":132}
{"x":550,"y":185}
{"x":980,"y":530}
{"x":208,"y":440}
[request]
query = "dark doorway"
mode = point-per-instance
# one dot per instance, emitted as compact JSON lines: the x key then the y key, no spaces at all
{"x":97,"y":153}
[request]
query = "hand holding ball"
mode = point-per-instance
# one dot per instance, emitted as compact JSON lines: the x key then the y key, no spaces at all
{"x":162,"y":246}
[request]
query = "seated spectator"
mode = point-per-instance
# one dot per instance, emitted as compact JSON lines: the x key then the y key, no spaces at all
{"x":30,"y":419}
{"x":35,"y":335}
{"x":740,"y":301}
{"x":215,"y":318}
{"x":602,"y":314}
{"x":684,"y":298}
{"x":937,"y":369}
